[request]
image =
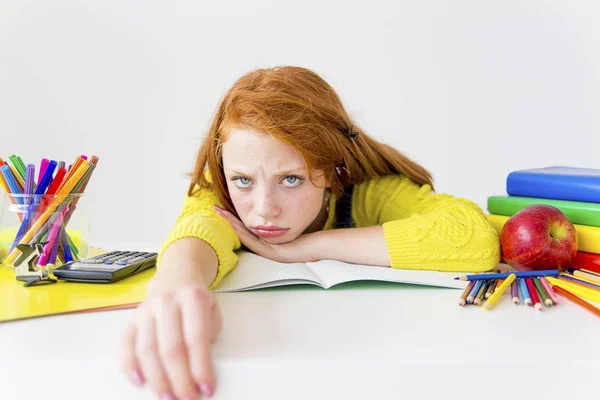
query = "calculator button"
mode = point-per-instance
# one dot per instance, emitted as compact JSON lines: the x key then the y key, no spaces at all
{"x":108,"y":262}
{"x":129,"y":257}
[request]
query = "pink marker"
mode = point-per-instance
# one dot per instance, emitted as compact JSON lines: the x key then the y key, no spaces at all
{"x":52,"y":238}
{"x":43,"y":166}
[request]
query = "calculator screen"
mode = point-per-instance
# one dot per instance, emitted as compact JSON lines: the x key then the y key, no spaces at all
{"x":94,"y":267}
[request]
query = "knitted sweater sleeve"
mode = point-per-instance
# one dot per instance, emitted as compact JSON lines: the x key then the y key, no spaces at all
{"x":198,"y":219}
{"x":430,"y":231}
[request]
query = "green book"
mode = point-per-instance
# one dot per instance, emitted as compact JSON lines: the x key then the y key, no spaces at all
{"x":577,"y":212}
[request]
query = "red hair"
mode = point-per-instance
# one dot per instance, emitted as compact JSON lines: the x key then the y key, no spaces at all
{"x":296,"y":106}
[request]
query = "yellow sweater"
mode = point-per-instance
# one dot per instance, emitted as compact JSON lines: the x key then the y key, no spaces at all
{"x":423,"y":230}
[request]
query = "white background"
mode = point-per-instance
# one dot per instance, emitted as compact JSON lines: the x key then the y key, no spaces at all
{"x":470,"y":89}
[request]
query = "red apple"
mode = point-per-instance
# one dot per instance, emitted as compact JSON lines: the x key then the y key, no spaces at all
{"x":538,"y":237}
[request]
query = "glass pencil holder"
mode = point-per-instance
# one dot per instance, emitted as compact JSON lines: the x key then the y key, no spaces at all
{"x":41,"y":232}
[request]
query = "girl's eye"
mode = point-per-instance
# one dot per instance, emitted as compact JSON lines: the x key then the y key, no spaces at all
{"x":241,"y":181}
{"x":292,"y":180}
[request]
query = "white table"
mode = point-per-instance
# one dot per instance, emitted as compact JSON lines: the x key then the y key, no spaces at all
{"x":367,"y":341}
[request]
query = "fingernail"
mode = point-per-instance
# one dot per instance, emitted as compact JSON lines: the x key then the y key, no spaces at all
{"x":136,"y":378}
{"x":219,"y":211}
{"x":206,"y":389}
{"x":167,"y":396}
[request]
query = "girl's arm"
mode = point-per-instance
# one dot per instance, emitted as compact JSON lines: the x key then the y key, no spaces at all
{"x":399,"y":224}
{"x":168,"y":344}
{"x":198,"y":220}
{"x":188,"y":259}
{"x":353,"y":245}
{"x":424,"y":230}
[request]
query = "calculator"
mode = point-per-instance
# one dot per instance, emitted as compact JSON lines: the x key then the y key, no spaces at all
{"x":106,"y":268}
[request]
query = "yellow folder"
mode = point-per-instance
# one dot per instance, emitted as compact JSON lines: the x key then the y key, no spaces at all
{"x":20,"y":302}
{"x":588,"y":237}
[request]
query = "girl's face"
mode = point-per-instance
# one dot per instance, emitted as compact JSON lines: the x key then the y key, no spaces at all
{"x":270,"y":186}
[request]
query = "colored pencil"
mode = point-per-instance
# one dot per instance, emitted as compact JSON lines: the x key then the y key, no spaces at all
{"x":490,"y":288}
{"x":570,"y":296}
{"x":481,"y":294}
{"x":542,"y":292}
{"x":504,"y":275}
{"x":474,"y":291}
{"x":498,"y":293}
{"x":589,"y":275}
{"x":463,"y":298}
{"x":514,"y":289}
{"x":549,"y":290}
{"x":579,"y":290}
{"x":581,"y":281}
{"x":524,"y":292}
{"x":534,"y":295}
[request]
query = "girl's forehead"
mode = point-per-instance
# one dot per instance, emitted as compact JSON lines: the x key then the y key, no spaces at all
{"x":251,"y":146}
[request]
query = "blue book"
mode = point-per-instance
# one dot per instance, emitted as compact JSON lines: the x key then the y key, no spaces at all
{"x":560,"y":183}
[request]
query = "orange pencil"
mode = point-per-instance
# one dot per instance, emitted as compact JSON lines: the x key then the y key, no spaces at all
{"x":463,"y":298}
{"x":570,"y":296}
{"x":499,"y":281}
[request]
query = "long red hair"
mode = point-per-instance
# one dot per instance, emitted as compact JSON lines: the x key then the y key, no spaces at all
{"x":296,"y":106}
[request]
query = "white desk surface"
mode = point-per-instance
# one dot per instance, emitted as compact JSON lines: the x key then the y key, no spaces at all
{"x":362,"y":341}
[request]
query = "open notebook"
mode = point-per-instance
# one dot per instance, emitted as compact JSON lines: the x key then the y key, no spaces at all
{"x":255,"y":272}
{"x":252,"y":272}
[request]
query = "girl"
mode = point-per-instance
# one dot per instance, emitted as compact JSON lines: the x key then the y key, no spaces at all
{"x":285,"y":172}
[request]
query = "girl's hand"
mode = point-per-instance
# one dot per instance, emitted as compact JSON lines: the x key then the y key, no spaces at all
{"x":168,"y":344}
{"x":302,"y":249}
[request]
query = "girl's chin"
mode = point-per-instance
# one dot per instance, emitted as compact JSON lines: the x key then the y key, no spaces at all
{"x":288,"y":237}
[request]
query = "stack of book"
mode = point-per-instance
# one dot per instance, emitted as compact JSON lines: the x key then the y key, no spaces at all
{"x":574,"y":191}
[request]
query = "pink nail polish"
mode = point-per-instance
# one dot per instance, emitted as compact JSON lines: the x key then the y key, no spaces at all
{"x":205,"y":389}
{"x":167,"y":396}
{"x":136,"y":378}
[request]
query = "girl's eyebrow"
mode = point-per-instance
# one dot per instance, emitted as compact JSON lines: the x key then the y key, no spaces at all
{"x":286,"y":172}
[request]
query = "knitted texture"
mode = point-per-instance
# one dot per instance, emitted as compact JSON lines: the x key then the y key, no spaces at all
{"x":427,"y":231}
{"x":422,"y":230}
{"x":198,"y":219}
